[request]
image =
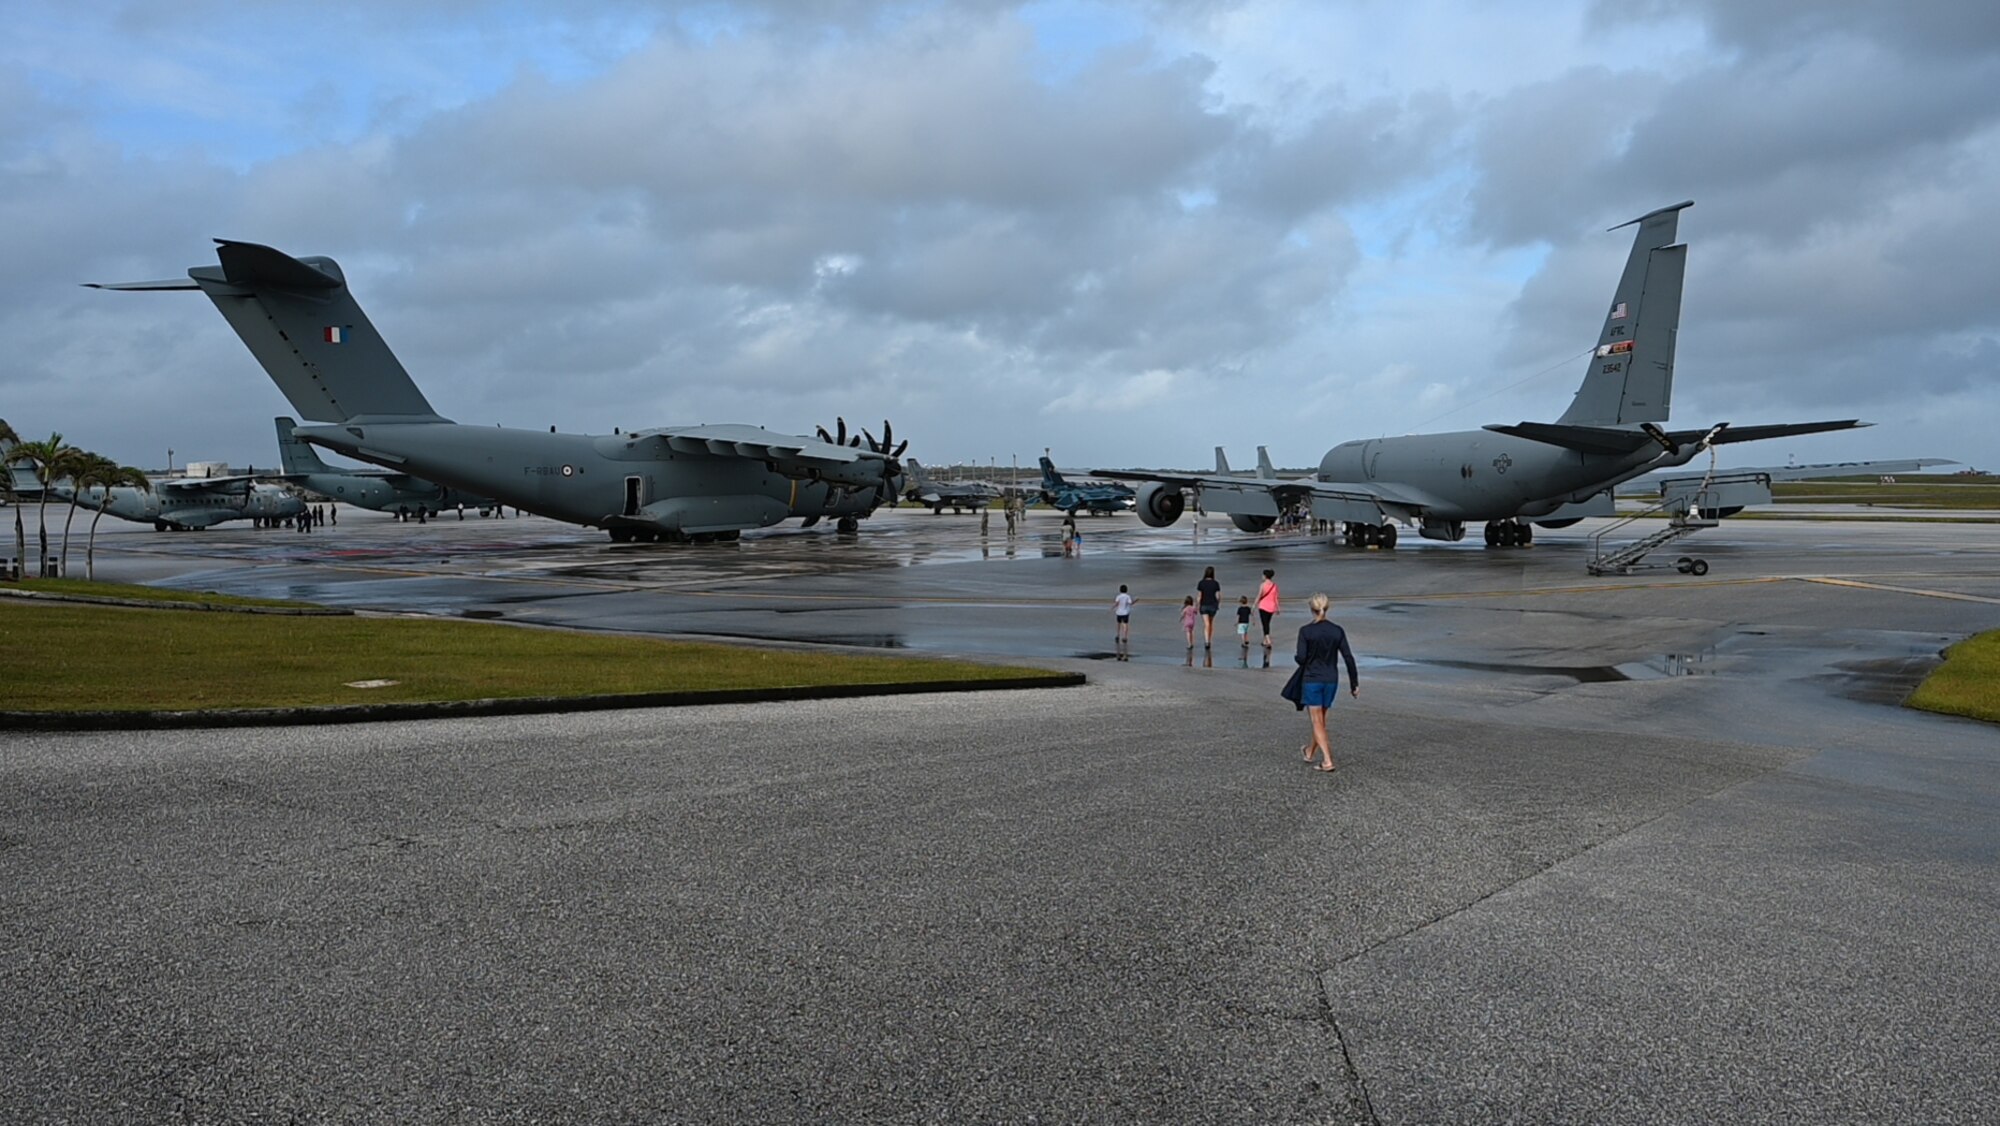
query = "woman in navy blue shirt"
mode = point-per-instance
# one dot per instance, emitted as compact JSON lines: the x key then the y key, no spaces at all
{"x":1322,"y":646}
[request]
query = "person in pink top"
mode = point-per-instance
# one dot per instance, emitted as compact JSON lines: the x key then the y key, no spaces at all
{"x":1188,"y":615}
{"x":1267,"y":607}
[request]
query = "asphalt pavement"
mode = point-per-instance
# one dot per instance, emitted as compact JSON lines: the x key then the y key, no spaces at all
{"x":1638,"y":849}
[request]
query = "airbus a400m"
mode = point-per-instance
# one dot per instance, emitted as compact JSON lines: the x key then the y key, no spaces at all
{"x":678,"y":482}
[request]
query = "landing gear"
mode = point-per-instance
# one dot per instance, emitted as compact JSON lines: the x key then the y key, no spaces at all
{"x":847,"y":526}
{"x":621,"y":535}
{"x":1370,"y":535}
{"x":1688,"y":565}
{"x":1509,"y":533}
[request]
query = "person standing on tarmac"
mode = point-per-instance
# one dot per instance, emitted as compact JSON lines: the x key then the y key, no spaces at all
{"x":1322,"y":646}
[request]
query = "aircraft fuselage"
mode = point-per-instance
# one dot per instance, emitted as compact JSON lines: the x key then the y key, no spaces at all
{"x":163,"y":507}
{"x":1481,"y":475}
{"x":599,"y":480}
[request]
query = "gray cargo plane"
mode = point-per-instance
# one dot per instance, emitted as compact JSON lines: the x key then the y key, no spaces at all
{"x":182,"y":503}
{"x":379,"y":489}
{"x":1512,"y":477}
{"x":678,"y":483}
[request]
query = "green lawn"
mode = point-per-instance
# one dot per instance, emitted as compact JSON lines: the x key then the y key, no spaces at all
{"x":144,"y":593}
{"x":1910,"y":492}
{"x":1968,"y":683}
{"x":73,"y":657}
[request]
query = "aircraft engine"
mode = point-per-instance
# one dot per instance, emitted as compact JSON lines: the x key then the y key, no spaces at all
{"x":1451,"y":531}
{"x":1160,"y":504}
{"x":1252,"y":523}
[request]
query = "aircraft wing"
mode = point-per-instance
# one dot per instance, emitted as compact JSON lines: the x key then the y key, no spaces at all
{"x":1276,"y":493}
{"x":235,"y":483}
{"x":1675,"y":480}
{"x":789,"y":454}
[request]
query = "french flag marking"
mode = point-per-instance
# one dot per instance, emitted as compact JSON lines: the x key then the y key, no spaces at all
{"x":336,"y":334}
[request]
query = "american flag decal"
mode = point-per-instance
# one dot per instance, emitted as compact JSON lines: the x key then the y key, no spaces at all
{"x":1618,"y":311}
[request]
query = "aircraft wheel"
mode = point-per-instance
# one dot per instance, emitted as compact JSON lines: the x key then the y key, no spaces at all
{"x":1388,"y":535}
{"x":938,"y":511}
{"x":730,"y":536}
{"x":1683,"y":564}
{"x":1698,"y":567}
{"x":1492,"y":534}
{"x":159,"y":525}
{"x":621,"y":535}
{"x":847,"y":525}
{"x":1527,"y":534}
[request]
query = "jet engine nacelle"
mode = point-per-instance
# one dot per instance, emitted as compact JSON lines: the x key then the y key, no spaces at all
{"x":1252,"y":523}
{"x":1450,"y":531}
{"x":1159,"y":504}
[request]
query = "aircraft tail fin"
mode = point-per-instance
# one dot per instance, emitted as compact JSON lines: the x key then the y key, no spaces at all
{"x":298,"y":318}
{"x":918,"y":476}
{"x":1051,"y":480}
{"x":295,"y":453}
{"x":1221,"y":462}
{"x":1265,"y":469}
{"x":1631,"y":374}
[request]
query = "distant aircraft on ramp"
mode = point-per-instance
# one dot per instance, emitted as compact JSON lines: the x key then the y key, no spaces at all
{"x":382,"y":490}
{"x":1073,"y":496}
{"x":678,"y":483}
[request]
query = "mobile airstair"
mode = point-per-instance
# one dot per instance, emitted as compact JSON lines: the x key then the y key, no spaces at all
{"x":1623,"y":559}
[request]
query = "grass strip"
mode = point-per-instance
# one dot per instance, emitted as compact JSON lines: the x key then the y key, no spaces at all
{"x":133,"y":593}
{"x":1968,"y":683}
{"x":71,"y":658}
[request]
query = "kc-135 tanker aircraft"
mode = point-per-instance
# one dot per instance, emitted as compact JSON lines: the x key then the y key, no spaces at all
{"x":1514,"y":477}
{"x":678,"y":483}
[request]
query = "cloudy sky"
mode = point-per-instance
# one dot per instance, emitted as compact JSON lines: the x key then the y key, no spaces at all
{"x":1127,"y":231}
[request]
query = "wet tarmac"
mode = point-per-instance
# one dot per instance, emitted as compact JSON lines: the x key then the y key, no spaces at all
{"x":1628,"y":849}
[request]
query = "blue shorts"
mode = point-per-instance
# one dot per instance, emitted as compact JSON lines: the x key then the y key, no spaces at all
{"x":1319,"y":694}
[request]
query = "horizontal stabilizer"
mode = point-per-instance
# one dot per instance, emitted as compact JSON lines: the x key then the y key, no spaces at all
{"x":1759,"y":433}
{"x":251,"y":264}
{"x":170,"y":283}
{"x":1608,"y":440}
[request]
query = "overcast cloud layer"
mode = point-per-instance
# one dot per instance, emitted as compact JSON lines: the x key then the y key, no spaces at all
{"x":1129,"y":232}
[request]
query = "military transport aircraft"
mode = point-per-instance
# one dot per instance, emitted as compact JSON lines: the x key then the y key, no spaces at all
{"x":379,"y":489}
{"x":1511,"y":477}
{"x":678,"y":483}
{"x":1070,"y":496}
{"x":940,"y":495}
{"x":184,"y":503}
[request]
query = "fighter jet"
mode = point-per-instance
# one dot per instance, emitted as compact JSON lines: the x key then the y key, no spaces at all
{"x":940,"y":495}
{"x":181,"y":503}
{"x":379,"y":489}
{"x":677,"y":483}
{"x":1072,"y":496}
{"x":1512,"y":477}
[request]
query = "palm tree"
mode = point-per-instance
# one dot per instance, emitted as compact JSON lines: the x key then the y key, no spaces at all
{"x":103,"y":471}
{"x":83,"y":464}
{"x":8,"y":441}
{"x":51,"y":461}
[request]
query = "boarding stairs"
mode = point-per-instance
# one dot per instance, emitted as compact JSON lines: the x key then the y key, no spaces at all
{"x":1623,"y":559}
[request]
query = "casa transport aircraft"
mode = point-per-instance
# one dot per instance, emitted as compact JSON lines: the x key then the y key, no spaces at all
{"x":940,"y":495}
{"x":675,"y":483}
{"x":1514,"y":477}
{"x":180,"y":504}
{"x":1070,"y":496}
{"x":382,"y":490}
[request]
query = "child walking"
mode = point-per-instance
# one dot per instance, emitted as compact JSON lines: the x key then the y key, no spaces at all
{"x":1188,"y":616}
{"x":1243,"y":627}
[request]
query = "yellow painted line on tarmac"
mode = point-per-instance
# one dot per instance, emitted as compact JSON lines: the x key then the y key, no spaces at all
{"x":1920,"y":592}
